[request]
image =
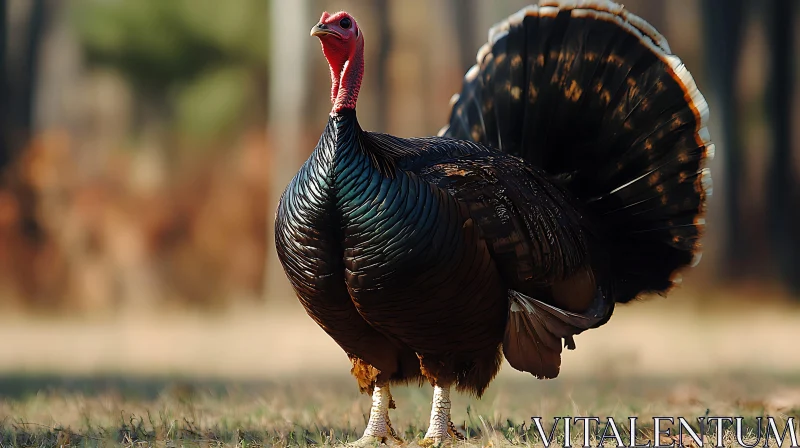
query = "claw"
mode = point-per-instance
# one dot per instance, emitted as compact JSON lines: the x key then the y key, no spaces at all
{"x":452,"y":435}
{"x":367,"y":441}
{"x":392,"y":434}
{"x":372,"y":441}
{"x":455,"y":433}
{"x":429,"y":442}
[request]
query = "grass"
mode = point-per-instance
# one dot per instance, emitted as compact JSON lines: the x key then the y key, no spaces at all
{"x":324,"y":410}
{"x":286,"y":383}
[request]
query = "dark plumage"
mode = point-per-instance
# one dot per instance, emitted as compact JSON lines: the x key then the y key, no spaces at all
{"x":592,"y":95}
{"x":569,"y":178}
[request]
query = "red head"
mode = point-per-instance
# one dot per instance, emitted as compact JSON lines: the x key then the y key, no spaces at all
{"x":343,"y":46}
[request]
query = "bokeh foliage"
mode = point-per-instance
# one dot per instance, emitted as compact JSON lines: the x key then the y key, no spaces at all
{"x":205,"y":62}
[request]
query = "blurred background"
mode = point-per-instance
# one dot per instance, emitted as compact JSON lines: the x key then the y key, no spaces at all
{"x":144,"y":144}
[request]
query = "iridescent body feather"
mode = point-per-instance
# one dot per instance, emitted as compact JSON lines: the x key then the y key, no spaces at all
{"x":570,"y":178}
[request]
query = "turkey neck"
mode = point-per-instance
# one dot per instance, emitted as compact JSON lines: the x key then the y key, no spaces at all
{"x":345,"y":88}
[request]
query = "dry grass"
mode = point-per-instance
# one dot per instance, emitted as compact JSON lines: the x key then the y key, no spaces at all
{"x":284,"y":383}
{"x":327,"y":410}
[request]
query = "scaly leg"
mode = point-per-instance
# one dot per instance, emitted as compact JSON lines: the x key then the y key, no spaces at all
{"x":379,"y":428}
{"x":441,"y":428}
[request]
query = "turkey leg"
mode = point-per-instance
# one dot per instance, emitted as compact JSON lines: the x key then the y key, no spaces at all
{"x":379,"y":428}
{"x":441,"y":428}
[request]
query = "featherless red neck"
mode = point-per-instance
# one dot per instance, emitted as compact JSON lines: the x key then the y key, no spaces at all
{"x":343,"y":46}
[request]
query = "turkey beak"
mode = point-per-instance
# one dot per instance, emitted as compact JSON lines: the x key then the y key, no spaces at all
{"x":320,"y":30}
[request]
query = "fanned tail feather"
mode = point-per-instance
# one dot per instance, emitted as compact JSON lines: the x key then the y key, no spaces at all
{"x":592,"y":94}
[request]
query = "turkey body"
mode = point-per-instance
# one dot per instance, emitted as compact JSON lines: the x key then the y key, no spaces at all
{"x":396,"y":267}
{"x":570,"y":178}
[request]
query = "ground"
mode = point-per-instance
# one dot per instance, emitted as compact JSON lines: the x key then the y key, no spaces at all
{"x":106,"y":411}
{"x":281,"y":382}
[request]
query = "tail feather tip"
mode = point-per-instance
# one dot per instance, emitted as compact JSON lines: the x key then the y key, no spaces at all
{"x":696,"y":259}
{"x":706,"y":181}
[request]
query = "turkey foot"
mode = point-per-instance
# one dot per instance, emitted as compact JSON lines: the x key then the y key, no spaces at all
{"x":379,"y":428}
{"x":441,"y":428}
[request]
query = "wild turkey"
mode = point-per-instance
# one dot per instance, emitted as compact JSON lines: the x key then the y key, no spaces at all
{"x":570,"y":178}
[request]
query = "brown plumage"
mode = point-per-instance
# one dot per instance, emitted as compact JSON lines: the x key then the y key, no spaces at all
{"x":569,"y":179}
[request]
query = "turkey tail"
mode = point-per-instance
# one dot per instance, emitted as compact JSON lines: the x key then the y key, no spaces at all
{"x":535,"y":330}
{"x":592,"y":94}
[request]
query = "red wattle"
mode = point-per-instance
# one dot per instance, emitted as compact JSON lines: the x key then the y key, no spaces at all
{"x":349,"y":84}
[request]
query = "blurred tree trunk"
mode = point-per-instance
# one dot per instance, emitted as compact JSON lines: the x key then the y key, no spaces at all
{"x":289,"y":23}
{"x":22,"y":115}
{"x":724,"y":24}
{"x":384,"y":28}
{"x":5,"y":152}
{"x":29,"y":74}
{"x":779,"y":17}
{"x":462,"y":13}
{"x":18,"y":82}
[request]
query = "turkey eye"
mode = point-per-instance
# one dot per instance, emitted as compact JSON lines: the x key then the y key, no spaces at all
{"x":345,"y":23}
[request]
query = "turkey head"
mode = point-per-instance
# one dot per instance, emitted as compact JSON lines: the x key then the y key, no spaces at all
{"x":343,"y":47}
